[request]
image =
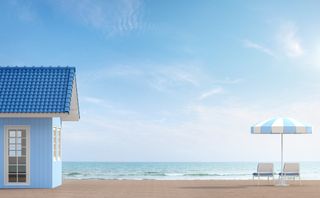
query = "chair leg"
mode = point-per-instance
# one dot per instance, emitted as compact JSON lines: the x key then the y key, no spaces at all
{"x":285,"y":178}
{"x":299,"y":180}
{"x":279,"y":178}
{"x":273,"y":178}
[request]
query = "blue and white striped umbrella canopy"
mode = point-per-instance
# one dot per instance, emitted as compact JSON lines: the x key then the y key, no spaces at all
{"x":281,"y":126}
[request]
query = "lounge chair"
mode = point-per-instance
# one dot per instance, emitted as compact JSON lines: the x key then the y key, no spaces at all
{"x":291,"y":170}
{"x":264,"y":170}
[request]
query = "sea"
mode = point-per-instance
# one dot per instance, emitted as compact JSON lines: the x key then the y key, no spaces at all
{"x":174,"y":170}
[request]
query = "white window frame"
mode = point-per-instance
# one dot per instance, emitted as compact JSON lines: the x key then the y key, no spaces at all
{"x":54,"y":138}
{"x":6,"y":163}
{"x":59,"y":143}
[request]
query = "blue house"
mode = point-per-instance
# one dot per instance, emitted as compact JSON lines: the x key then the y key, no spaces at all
{"x":34,"y":102}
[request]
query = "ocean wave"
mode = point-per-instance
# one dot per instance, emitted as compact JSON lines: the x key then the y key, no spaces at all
{"x":214,"y":174}
{"x":73,"y":174}
{"x":158,"y":171}
{"x":200,"y":174}
{"x":152,"y":174}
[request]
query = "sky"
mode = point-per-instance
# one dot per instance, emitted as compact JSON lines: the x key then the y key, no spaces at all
{"x":176,"y":80}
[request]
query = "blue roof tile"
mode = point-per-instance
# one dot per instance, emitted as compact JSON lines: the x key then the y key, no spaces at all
{"x":36,"y":89}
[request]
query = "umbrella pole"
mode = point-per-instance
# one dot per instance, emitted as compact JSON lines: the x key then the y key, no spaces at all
{"x":282,"y":177}
{"x":281,"y":158}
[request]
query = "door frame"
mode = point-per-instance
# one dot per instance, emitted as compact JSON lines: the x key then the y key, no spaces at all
{"x":6,"y":135}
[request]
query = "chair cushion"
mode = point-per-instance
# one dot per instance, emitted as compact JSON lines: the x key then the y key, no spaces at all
{"x":290,"y":174}
{"x":262,"y":174}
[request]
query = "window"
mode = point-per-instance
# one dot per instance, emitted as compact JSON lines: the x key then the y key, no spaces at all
{"x":17,"y":157}
{"x":56,"y":143}
{"x":59,"y":143}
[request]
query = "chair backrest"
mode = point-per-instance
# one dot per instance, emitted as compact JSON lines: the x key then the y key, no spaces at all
{"x":265,"y":168}
{"x":291,"y":168}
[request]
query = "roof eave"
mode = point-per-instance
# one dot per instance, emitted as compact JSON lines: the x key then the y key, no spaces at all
{"x":63,"y":116}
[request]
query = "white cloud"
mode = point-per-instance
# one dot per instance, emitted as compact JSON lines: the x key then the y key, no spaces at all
{"x":253,"y":45}
{"x":162,"y":77}
{"x":112,"y":17}
{"x":116,"y":71}
{"x":203,"y":132}
{"x":93,"y":100}
{"x":24,"y":10}
{"x":211,"y":92}
{"x":215,"y":133}
{"x":290,"y":41}
{"x":129,"y":19}
{"x":229,"y":81}
{"x":167,"y":78}
{"x":313,"y":57}
{"x":99,"y":105}
{"x":173,"y":76}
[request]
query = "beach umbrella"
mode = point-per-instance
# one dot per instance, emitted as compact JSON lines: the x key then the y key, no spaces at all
{"x":281,"y":126}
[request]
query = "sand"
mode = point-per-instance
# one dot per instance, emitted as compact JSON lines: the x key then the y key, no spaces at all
{"x":164,"y":189}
